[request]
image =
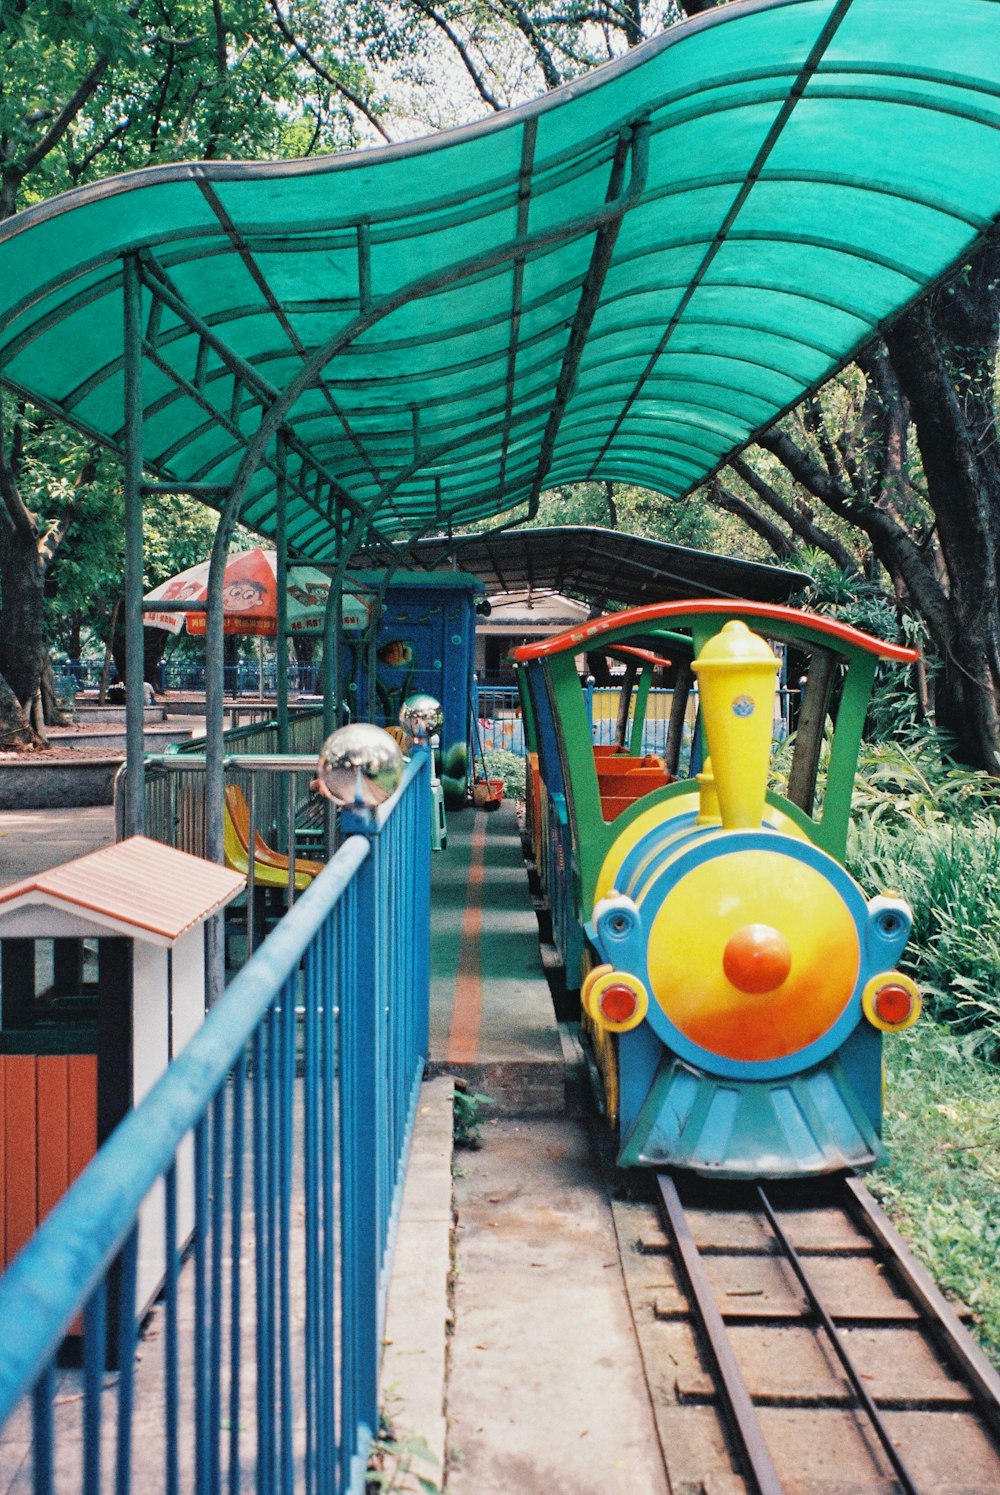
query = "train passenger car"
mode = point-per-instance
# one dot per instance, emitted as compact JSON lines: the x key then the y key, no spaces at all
{"x":735,"y":981}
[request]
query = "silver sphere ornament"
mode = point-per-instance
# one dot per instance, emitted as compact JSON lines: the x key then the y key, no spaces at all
{"x":421,"y":716}
{"x":359,"y":762}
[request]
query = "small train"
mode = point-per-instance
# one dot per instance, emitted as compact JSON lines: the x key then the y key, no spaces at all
{"x":734,"y":980}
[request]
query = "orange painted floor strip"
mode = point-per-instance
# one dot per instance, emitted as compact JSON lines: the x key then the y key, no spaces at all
{"x":463,"y":1037}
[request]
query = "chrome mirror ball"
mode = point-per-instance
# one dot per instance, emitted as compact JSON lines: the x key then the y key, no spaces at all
{"x":421,"y":716}
{"x":359,"y":762}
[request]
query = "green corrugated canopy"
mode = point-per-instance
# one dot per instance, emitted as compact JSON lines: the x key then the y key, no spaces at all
{"x":625,"y":279}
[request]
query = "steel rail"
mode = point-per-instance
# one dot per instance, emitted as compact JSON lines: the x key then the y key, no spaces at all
{"x":950,"y":1335}
{"x":745,"y":1421}
{"x":850,"y":1369}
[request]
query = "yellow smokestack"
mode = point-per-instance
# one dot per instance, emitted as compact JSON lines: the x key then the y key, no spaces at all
{"x":708,"y":799}
{"x":736,"y":677}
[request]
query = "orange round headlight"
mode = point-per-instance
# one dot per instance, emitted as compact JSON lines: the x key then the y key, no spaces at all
{"x":891,"y":1001}
{"x":617,"y":1000}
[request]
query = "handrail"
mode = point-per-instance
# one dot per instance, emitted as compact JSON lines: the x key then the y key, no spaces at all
{"x":53,"y":1276}
{"x":236,"y":738}
{"x":276,"y":1144}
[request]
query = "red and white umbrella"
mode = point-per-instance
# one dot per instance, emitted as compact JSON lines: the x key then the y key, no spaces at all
{"x":250,"y":598}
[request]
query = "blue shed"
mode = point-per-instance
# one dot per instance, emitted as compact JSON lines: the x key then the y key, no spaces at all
{"x":424,"y":642}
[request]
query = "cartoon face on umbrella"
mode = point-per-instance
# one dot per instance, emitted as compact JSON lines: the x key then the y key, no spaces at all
{"x":249,"y":598}
{"x":242,"y":595}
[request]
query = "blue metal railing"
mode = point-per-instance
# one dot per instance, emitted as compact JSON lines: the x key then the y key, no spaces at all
{"x":276,"y":1145}
{"x":243,"y":679}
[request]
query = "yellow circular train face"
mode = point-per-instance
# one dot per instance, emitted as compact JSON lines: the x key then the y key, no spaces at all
{"x":753,"y":955}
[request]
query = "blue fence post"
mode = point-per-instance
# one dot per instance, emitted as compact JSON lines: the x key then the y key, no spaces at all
{"x":418,"y":941}
{"x":589,"y":691}
{"x":362,"y":957}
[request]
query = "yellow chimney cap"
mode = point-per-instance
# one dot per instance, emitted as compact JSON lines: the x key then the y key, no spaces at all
{"x":735,"y":644}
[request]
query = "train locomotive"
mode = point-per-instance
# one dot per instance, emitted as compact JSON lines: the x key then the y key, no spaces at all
{"x":734,"y":979}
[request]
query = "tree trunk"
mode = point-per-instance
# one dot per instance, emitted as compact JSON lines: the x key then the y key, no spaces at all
{"x":16,"y":735}
{"x":22,"y":645}
{"x":944,"y":352}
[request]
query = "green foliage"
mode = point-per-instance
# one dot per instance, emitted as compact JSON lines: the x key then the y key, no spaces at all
{"x":391,"y":1460}
{"x":929,"y":829}
{"x":942,"y":1181}
{"x":467,"y":1118}
{"x":691,"y":521}
{"x":913,"y":784}
{"x":501,"y":763}
{"x":895,"y":710}
{"x":171,"y":85}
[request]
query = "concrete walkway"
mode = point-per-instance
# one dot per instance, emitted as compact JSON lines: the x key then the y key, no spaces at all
{"x":32,"y":841}
{"x":546,"y":1394}
{"x":521,"y":1369}
{"x":492,"y":1023}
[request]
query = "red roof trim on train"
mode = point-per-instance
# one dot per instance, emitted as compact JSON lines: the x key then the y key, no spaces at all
{"x":646,"y":655}
{"x":583,"y":636}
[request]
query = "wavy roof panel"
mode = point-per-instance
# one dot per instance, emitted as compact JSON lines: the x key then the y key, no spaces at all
{"x":626,"y":279}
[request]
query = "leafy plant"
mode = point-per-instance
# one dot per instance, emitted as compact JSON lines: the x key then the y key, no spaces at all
{"x":929,"y":829}
{"x":391,"y":1460}
{"x":501,"y":763}
{"x":916,"y":784}
{"x":467,"y":1118}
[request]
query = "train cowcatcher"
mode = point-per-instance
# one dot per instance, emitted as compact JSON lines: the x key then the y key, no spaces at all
{"x":735,"y":981}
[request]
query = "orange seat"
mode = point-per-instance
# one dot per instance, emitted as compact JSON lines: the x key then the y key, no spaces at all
{"x":270,"y":867}
{"x":635,"y":782}
{"x":624,"y":779}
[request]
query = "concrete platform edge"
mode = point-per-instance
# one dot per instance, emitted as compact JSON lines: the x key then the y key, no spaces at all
{"x":413,"y":1382}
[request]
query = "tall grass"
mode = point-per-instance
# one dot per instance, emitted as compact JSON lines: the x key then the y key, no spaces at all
{"x":941,"y":1182}
{"x":929,"y":829}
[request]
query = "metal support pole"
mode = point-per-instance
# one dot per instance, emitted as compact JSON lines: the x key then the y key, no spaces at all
{"x":135,"y":715}
{"x":281,"y":622}
{"x":215,"y":692}
{"x":215,"y":767}
{"x":332,"y":654}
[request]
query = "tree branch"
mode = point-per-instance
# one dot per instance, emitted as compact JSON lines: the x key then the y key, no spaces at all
{"x":76,"y":169}
{"x":895,"y":546}
{"x":798,"y":522}
{"x":22,"y":522}
{"x":805,"y":470}
{"x":328,"y":77}
{"x":51,"y":541}
{"x":724,"y":498}
{"x":65,"y":117}
{"x":456,"y":41}
{"x":524,"y":24}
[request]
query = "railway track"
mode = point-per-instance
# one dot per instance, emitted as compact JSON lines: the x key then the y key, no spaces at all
{"x":793,"y":1346}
